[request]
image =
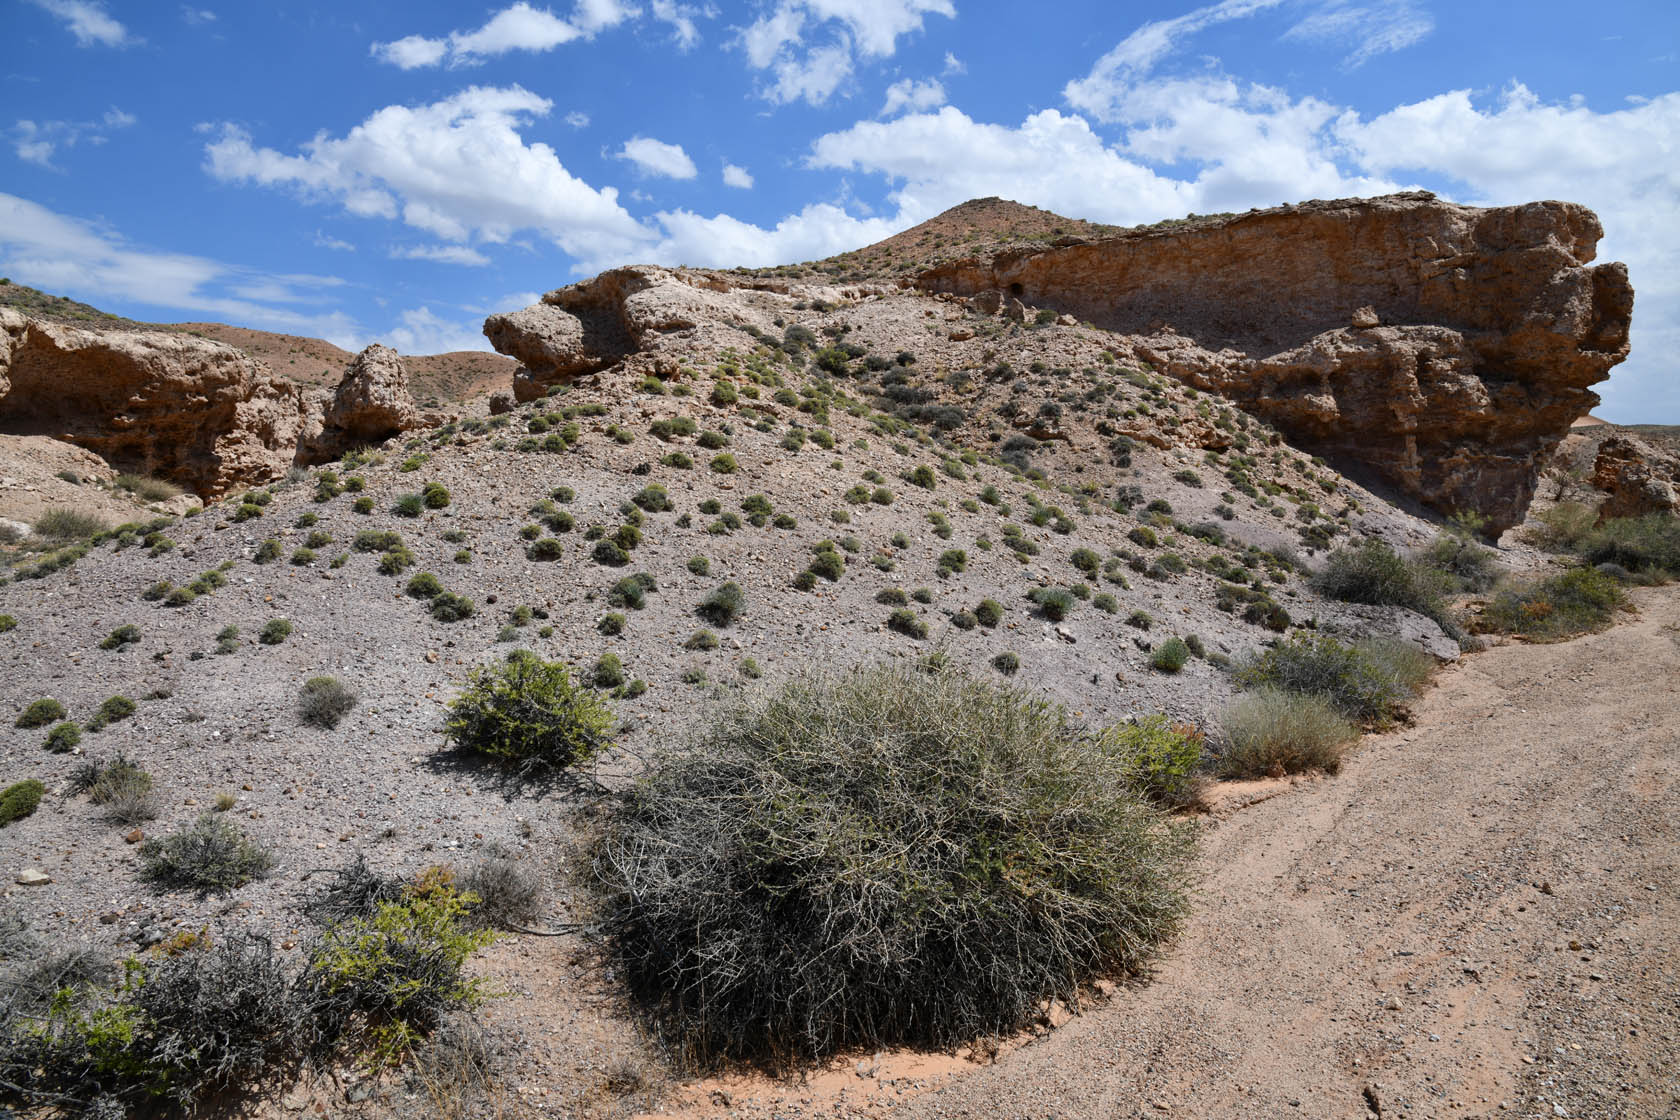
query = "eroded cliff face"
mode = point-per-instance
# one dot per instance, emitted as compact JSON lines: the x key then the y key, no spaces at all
{"x":199,"y":413}
{"x":1447,"y":348}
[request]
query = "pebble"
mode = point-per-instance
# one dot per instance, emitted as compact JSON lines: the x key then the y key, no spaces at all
{"x":33,"y":877}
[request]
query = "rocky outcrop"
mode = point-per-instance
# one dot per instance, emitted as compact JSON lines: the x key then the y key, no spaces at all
{"x":196,"y":412}
{"x":598,"y":323}
{"x":370,"y":405}
{"x":1447,"y":348}
{"x":1636,"y":478}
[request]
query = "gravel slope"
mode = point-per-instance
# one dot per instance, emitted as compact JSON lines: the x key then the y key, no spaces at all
{"x":1477,"y":918}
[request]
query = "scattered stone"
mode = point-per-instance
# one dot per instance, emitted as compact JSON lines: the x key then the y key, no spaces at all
{"x":33,"y":877}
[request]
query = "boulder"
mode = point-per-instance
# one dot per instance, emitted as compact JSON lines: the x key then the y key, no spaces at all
{"x":370,"y":405}
{"x":1445,"y":347}
{"x":1637,"y":478}
{"x":199,"y":413}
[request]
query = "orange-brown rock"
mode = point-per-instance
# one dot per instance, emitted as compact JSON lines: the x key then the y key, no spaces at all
{"x":199,"y":413}
{"x":1636,"y":477}
{"x":1445,"y":347}
{"x":370,"y":405}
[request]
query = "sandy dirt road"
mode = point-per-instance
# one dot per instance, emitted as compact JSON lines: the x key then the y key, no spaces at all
{"x":1478,"y":917}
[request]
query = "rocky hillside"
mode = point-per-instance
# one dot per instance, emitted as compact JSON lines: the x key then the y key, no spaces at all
{"x":700,"y":481}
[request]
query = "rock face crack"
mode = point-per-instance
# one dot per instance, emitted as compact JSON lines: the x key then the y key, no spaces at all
{"x":1475,"y":333}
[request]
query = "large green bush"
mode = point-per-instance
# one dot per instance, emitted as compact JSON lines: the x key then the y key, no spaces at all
{"x":1558,"y":607}
{"x":19,"y":800}
{"x":879,"y":858}
{"x":1375,"y":574}
{"x":1648,"y":545}
{"x":1273,"y":732}
{"x":1351,"y":678}
{"x":529,"y":713}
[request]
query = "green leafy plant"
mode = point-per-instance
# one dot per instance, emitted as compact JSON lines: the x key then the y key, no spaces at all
{"x":1273,"y":732}
{"x":19,"y":800}
{"x":213,"y":855}
{"x":64,"y":738}
{"x":40,"y":713}
{"x":1170,"y":656}
{"x":324,"y":701}
{"x":275,"y":631}
{"x":528,"y":713}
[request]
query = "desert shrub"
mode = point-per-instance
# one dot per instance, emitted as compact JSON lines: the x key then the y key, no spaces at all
{"x":1170,"y":656}
{"x":611,"y":624}
{"x":699,"y":565}
{"x":376,"y":540}
{"x":267,"y":552}
{"x":609,"y":553}
{"x":1558,"y":607}
{"x":145,"y":488}
{"x":324,"y":701}
{"x":63,"y":526}
{"x":435,"y":495}
{"x":121,"y":638}
{"x":1143,"y":535}
{"x":924,"y":477}
{"x":653,"y":498}
{"x":424,"y":586}
{"x":274,"y":631}
{"x":213,"y":855}
{"x":701,"y":640}
{"x":1648,"y":545}
{"x":300,"y":558}
{"x":111,"y":710}
{"x":608,"y":671}
{"x":1054,"y":602}
{"x":19,"y":800}
{"x":723,"y":464}
{"x":905,"y":622}
{"x":546,"y":550}
{"x":828,"y":564}
{"x":1354,"y":682}
{"x":1105,"y":602}
{"x":964,"y":620}
{"x":1161,"y":758}
{"x":893,"y":857}
{"x":121,"y":788}
{"x":892,"y":597}
{"x":509,"y":891}
{"x":722,"y":606}
{"x":7,"y":623}
{"x":955,"y":559}
{"x":40,"y":713}
{"x":528,"y":713}
{"x":1086,"y":561}
{"x":388,"y":979}
{"x":1374,"y":573}
{"x":1006,"y":663}
{"x":393,"y":562}
{"x":989,"y":612}
{"x":451,"y":607}
{"x":362,"y":505}
{"x":63,"y":738}
{"x":1466,"y":564}
{"x":1565,"y":525}
{"x":1273,"y":732}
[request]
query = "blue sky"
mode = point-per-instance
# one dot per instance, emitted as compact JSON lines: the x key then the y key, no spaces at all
{"x":394,"y":171}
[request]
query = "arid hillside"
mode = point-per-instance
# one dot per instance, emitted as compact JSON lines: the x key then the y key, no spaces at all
{"x":274,"y":720}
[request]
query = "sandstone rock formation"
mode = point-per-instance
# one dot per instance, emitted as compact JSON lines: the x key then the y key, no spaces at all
{"x":595,"y":324}
{"x":1636,"y":477}
{"x":1445,"y":347}
{"x":199,"y":413}
{"x":370,"y":405}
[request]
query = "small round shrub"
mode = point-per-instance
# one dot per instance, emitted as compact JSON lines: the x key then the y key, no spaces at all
{"x":1162,"y":758}
{"x":699,"y":565}
{"x":64,"y":738}
{"x":892,"y":857}
{"x":724,"y":464}
{"x":905,"y":622}
{"x":528,"y":713}
{"x":964,"y":620}
{"x":274,"y":631}
{"x":212,"y":856}
{"x":40,"y":713}
{"x":1272,"y":732}
{"x":1086,"y":561}
{"x":892,"y":597}
{"x":324,"y":701}
{"x":1054,"y":602}
{"x":1560,"y":606}
{"x":608,"y":553}
{"x":424,"y":586}
{"x":362,"y":505}
{"x":409,"y":505}
{"x":828,"y":564}
{"x":121,"y":638}
{"x":547,"y":550}
{"x":435,"y":495}
{"x":1170,"y":656}
{"x":608,"y":671}
{"x":450,"y":607}
{"x":989,"y":612}
{"x":701,"y":640}
{"x":611,"y":624}
{"x":112,"y":710}
{"x":722,"y":606}
{"x":183,"y":596}
{"x":7,"y":623}
{"x":20,"y":800}
{"x":1354,"y":682}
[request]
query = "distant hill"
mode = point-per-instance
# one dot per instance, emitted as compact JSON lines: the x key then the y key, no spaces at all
{"x":434,"y":379}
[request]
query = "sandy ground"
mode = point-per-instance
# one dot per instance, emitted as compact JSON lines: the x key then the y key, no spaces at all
{"x":1478,"y":917}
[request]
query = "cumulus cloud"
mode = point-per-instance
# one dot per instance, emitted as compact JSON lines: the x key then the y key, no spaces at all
{"x":779,"y":41}
{"x":819,"y":230}
{"x":914,"y":96}
{"x":737,"y":177}
{"x":681,"y":18}
{"x":61,"y":254}
{"x":457,"y":169}
{"x":422,"y":331}
{"x":442,"y":254}
{"x":657,"y":158}
{"x":519,"y":27}
{"x":89,"y":22}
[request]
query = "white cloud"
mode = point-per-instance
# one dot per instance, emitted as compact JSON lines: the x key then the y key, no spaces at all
{"x":655,"y":157}
{"x":423,"y":331}
{"x":681,"y":17}
{"x":196,"y":16}
{"x":819,"y":230}
{"x":457,"y":169}
{"x":38,"y":141}
{"x":576,"y":119}
{"x":777,"y":41}
{"x":1366,"y":31}
{"x":519,"y":27}
{"x":62,"y":254}
{"x":89,"y":22}
{"x":336,"y":244}
{"x":442,"y":254}
{"x":734,"y":176}
{"x":914,"y":96}
{"x":954,"y":65}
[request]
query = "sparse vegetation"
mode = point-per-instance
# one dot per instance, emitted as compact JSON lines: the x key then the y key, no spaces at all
{"x":1363,"y":681}
{"x":1271,"y":732}
{"x":1574,"y":602}
{"x":213,"y":856}
{"x":528,"y":713}
{"x":40,"y":713}
{"x":324,"y":701}
{"x":275,"y":631}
